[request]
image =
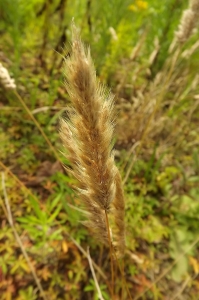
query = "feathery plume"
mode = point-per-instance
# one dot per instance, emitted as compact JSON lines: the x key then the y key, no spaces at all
{"x":188,"y":21}
{"x":5,"y":79}
{"x":87,"y":135}
{"x":194,"y":5}
{"x":186,"y":25}
{"x":119,"y":214}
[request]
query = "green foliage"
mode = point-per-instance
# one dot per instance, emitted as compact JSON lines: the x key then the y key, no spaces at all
{"x":27,"y":294}
{"x":91,"y":287}
{"x":40,"y":225}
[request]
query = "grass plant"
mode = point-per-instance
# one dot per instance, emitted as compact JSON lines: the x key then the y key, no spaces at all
{"x":88,"y":136}
{"x":147,"y":52}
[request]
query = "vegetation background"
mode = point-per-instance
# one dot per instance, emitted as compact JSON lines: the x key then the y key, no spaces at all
{"x":155,"y":79}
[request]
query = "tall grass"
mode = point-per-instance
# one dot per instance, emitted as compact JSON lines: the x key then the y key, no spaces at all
{"x":88,"y":137}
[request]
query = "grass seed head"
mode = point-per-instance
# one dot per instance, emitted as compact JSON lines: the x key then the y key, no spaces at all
{"x":87,"y":135}
{"x":6,"y":81}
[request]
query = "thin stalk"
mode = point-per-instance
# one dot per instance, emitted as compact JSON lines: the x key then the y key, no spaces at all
{"x":94,"y":276}
{"x":111,"y":256}
{"x":17,"y":237}
{"x":37,"y":124}
{"x":57,"y":223}
{"x":121,"y":268}
{"x":85,"y":254}
{"x":152,"y":115}
{"x":123,"y":279}
{"x":18,"y":181}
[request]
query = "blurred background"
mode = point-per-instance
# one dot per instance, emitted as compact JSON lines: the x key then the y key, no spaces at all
{"x":147,"y":52}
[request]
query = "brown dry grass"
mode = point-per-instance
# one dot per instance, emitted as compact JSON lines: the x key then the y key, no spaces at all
{"x":87,"y":135}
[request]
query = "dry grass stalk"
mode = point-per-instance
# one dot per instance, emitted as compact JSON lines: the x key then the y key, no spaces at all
{"x":37,"y":124}
{"x":155,"y":51}
{"x":87,"y":135}
{"x":18,"y":239}
{"x":9,"y":83}
{"x":6,"y":81}
{"x":94,"y":276}
{"x":187,"y":24}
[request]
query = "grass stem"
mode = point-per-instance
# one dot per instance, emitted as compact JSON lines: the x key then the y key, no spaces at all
{"x":111,"y":254}
{"x":94,"y":276}
{"x":17,"y":237}
{"x":37,"y":125}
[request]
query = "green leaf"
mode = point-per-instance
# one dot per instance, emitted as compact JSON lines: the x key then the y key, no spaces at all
{"x":56,"y":212}
{"x":35,"y":205}
{"x":55,"y":201}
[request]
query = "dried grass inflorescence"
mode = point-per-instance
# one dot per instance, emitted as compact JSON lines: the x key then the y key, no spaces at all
{"x":87,"y":135}
{"x":194,"y":5}
{"x":6,"y":81}
{"x":188,"y":21}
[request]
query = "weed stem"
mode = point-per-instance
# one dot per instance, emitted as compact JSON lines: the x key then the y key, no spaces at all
{"x":10,"y":220}
{"x":37,"y":124}
{"x":111,"y":256}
